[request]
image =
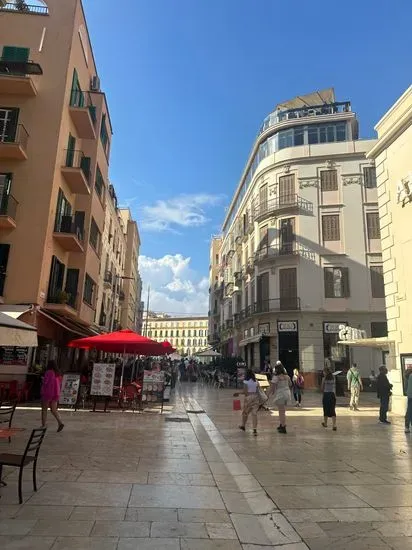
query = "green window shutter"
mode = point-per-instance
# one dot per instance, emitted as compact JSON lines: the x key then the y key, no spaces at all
{"x":92,"y":111}
{"x":328,"y":278}
{"x":76,"y":97}
{"x":345,"y":282}
{"x":12,"y":53}
{"x":85,"y":166}
{"x":71,"y":146}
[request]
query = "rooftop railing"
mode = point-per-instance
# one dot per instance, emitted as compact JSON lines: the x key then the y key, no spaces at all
{"x":23,"y":7}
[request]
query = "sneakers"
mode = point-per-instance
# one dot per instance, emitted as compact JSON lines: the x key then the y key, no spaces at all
{"x":242,"y":428}
{"x":384,"y":422}
{"x":282,"y":429}
{"x":334,"y":428}
{"x":254,"y":432}
{"x":61,"y":426}
{"x":324,"y":425}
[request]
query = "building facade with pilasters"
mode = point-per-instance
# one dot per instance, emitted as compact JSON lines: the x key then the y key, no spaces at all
{"x":300,"y":251}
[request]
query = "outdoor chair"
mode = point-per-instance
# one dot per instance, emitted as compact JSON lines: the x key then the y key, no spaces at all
{"x":6,"y":416}
{"x":130,"y":397}
{"x":29,"y":456}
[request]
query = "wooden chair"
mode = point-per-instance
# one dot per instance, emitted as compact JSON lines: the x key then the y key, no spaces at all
{"x":29,"y":456}
{"x":6,"y":415}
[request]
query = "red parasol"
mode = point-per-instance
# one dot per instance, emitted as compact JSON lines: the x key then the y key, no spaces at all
{"x":167,"y":346}
{"x":122,"y":341}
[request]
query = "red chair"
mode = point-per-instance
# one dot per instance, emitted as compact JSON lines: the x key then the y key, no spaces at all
{"x":129,"y":396}
{"x":13,"y":390}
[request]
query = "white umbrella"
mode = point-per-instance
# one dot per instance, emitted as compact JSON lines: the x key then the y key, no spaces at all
{"x":16,"y":333}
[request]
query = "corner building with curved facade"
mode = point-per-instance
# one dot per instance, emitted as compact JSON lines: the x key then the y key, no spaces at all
{"x":300,"y":251}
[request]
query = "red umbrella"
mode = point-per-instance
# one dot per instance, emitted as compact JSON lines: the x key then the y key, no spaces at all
{"x":122,"y":341}
{"x":168,"y":347}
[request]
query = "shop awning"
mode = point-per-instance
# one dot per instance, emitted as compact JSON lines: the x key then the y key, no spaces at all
{"x":250,"y":340}
{"x":16,"y":333}
{"x":71,"y":326}
{"x":208,"y":353}
{"x":14,"y":311}
{"x":368,"y":343}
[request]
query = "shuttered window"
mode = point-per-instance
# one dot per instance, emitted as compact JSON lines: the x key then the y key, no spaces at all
{"x":329,"y":180}
{"x":331,"y":227}
{"x":95,"y":236}
{"x":13,"y":53}
{"x":377,"y":282}
{"x":372,"y":223}
{"x":336,"y":282}
{"x":99,"y":183}
{"x":369,"y":177}
{"x":287,"y":189}
{"x":89,"y":290}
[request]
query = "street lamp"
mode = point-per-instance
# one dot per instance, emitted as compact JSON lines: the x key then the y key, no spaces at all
{"x":116,"y":278}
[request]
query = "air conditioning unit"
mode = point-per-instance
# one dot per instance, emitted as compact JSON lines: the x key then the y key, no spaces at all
{"x":94,"y":83}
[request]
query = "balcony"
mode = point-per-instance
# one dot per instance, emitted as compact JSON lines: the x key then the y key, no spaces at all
{"x":122,"y":296}
{"x":25,"y":8}
{"x":8,"y":209}
{"x":13,"y":145}
{"x":16,"y":77}
{"x":83,"y":114}
{"x":291,"y":203}
{"x":268,"y":306}
{"x":62,"y":302}
{"x":267,"y":254}
{"x":69,"y":234}
{"x":76,"y":171}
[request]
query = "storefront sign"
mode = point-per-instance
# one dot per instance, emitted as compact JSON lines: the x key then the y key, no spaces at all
{"x":70,"y":389}
{"x":10,"y":355}
{"x":103,"y":379}
{"x":154,"y":376}
{"x":287,"y":326}
{"x":349,"y":333}
{"x":264,"y":328}
{"x":332,"y":328}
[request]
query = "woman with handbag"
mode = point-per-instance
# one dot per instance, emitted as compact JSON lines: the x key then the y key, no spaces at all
{"x":280,"y":387}
{"x":252,"y":401}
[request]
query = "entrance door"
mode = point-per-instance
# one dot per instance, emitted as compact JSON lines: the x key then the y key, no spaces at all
{"x":262,"y":304}
{"x":287,"y":189}
{"x":287,"y":236}
{"x":289,"y":350}
{"x":264,"y":349}
{"x":288,"y":288}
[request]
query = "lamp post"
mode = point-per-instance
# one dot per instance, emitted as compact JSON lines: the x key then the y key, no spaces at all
{"x":116,"y":280}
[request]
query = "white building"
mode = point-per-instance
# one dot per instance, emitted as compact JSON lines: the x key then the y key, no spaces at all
{"x":187,"y":334}
{"x":300,"y":251}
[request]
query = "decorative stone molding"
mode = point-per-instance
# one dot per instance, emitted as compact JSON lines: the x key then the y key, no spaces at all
{"x":308,"y":183}
{"x":272,"y":191}
{"x":351,"y":180}
{"x":330,"y":164}
{"x":286,"y":169}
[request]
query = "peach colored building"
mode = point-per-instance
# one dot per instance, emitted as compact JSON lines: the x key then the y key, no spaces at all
{"x":55,"y":138}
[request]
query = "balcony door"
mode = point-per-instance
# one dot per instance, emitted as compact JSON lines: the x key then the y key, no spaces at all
{"x":63,"y":214}
{"x":72,"y":281}
{"x":287,"y":236}
{"x":8,"y":124}
{"x":56,"y":280}
{"x":4,"y":260}
{"x":287,"y":190}
{"x":263,"y":292}
{"x":5,"y":184}
{"x":288,"y":288}
{"x":263,"y":239}
{"x":263,"y":198}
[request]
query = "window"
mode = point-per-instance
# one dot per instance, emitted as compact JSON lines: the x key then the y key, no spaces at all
{"x":63,"y":221}
{"x":329,"y":180}
{"x":326,"y":133}
{"x":369,"y":177}
{"x":330,"y":227}
{"x":377,"y":282}
{"x":189,"y":332}
{"x":171,"y":333}
{"x":104,"y":135}
{"x":95,"y":236}
{"x":336,"y":282}
{"x":177,"y":332}
{"x":155,"y":333}
{"x":291,"y":138}
{"x":89,"y":291}
{"x":379,"y":329}
{"x":372,"y":223}
{"x":99,"y":183}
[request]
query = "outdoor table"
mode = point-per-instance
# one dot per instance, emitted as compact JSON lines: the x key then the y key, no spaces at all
{"x":5,"y":433}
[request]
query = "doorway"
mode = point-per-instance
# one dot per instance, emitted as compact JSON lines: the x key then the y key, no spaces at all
{"x":288,"y":343}
{"x":264,"y":351}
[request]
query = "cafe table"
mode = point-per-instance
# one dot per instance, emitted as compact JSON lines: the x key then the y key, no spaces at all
{"x":5,"y":433}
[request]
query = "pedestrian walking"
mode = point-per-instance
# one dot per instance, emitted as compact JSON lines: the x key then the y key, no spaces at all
{"x":280,"y":388}
{"x":384,"y":390}
{"x":251,"y":403}
{"x":50,"y":393}
{"x":297,"y":383}
{"x":408,"y":415}
{"x":328,"y":388}
{"x":355,"y":386}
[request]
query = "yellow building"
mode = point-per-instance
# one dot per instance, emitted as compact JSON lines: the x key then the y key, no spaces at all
{"x":187,"y":334}
{"x":393,"y":160}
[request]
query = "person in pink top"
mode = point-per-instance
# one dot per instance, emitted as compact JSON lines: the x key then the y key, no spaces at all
{"x":50,"y":393}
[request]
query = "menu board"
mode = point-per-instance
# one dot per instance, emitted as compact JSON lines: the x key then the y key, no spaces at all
{"x":103,"y":379}
{"x":153,"y":387}
{"x":69,"y":389}
{"x":13,"y":355}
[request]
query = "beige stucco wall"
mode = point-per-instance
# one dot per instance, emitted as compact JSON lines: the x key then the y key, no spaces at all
{"x":393,"y":158}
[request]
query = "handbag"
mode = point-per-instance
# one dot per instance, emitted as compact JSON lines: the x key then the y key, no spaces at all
{"x":261,"y":395}
{"x":237,"y":406}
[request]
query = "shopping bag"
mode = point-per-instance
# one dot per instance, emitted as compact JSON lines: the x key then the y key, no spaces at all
{"x":237,"y":406}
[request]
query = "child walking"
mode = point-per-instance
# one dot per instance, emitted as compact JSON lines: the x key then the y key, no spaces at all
{"x":328,"y":388}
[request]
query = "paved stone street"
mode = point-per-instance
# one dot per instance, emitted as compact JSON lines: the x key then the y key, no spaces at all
{"x":136,"y":481}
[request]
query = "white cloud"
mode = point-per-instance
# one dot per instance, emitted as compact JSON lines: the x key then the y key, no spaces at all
{"x":181,"y":211}
{"x":174,"y":287}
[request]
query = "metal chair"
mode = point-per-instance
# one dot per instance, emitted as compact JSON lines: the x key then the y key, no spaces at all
{"x":29,"y":456}
{"x":6,"y":415}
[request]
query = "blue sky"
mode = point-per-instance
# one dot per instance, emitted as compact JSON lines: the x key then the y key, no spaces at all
{"x":188,"y":84}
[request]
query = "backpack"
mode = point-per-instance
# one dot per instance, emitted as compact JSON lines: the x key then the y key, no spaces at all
{"x":300,"y":381}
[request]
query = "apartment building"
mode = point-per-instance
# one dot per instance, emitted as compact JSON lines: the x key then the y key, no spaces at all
{"x":55,"y":140}
{"x":110,"y":296}
{"x":393,"y":160}
{"x":131,"y":283}
{"x":187,"y":334}
{"x":300,"y":254}
{"x":215,"y":288}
